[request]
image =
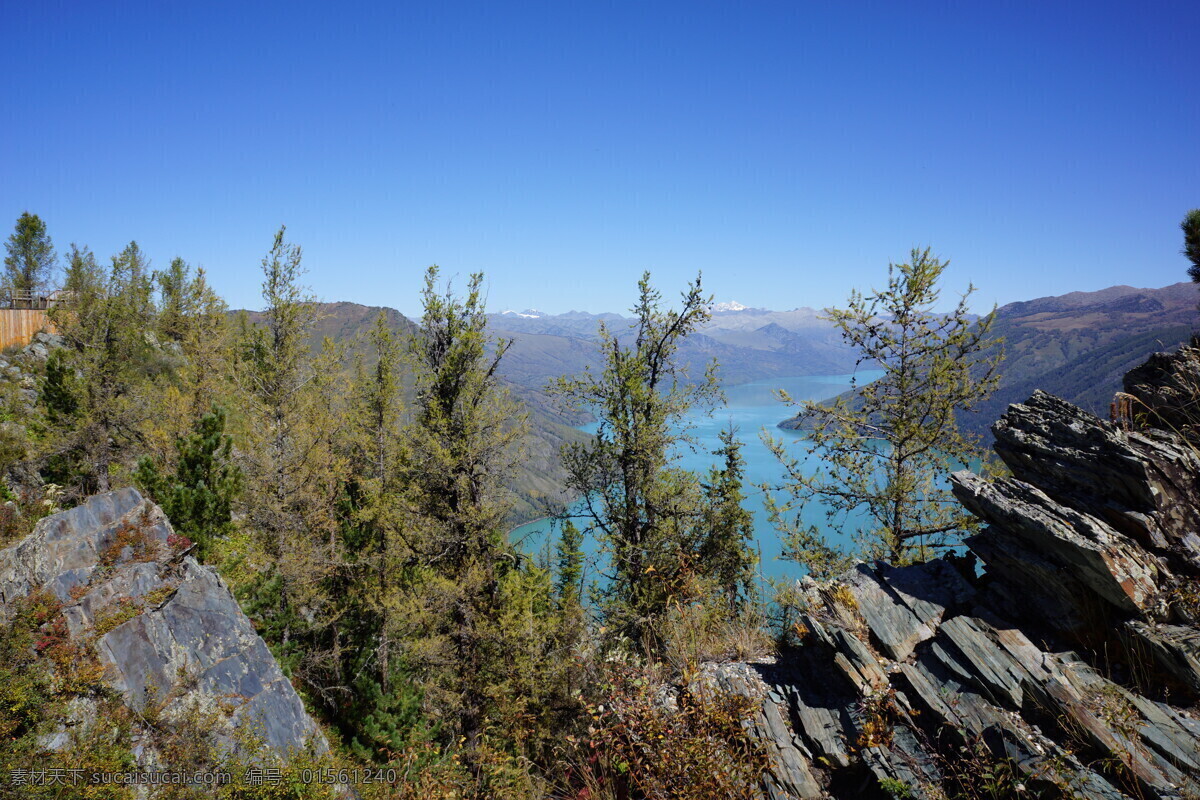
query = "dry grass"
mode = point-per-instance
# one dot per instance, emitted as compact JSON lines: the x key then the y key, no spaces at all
{"x":697,"y":632}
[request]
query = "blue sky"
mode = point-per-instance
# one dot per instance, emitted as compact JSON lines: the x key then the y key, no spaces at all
{"x":788,"y":150}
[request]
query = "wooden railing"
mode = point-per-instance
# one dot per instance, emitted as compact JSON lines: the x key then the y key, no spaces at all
{"x":23,"y":314}
{"x":31,"y":300}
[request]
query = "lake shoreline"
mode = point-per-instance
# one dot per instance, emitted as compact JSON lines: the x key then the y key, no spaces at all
{"x":751,"y":408}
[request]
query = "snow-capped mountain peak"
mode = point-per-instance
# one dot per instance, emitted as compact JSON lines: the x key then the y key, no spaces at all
{"x":529,"y":313}
{"x":734,"y":305}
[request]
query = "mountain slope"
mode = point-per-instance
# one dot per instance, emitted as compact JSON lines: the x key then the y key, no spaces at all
{"x":1079,"y":345}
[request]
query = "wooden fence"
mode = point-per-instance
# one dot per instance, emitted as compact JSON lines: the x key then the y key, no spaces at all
{"x":18,"y":325}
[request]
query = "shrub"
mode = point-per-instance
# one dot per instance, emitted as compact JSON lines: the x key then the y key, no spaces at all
{"x":691,"y":744}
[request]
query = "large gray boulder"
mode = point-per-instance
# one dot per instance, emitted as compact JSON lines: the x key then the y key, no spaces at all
{"x":167,"y":630}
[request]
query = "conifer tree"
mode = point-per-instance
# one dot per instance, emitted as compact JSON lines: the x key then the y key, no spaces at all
{"x":105,"y":327}
{"x":569,"y":578}
{"x":199,"y":498}
{"x":386,"y":711}
{"x":641,"y":506}
{"x":192,"y":333}
{"x":885,"y":453}
{"x":289,"y":419}
{"x":30,"y":255}
{"x":728,"y":528}
{"x":378,"y":404}
{"x":1191,"y":242}
{"x":59,"y":393}
{"x":459,"y":450}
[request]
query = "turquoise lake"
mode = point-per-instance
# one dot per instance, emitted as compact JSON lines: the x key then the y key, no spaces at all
{"x":751,"y":408}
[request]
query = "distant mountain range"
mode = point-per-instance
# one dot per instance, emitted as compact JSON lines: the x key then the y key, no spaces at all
{"x":749,"y":344}
{"x":1077,"y":346}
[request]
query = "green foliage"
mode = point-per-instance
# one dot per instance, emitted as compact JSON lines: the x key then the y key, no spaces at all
{"x":287,"y":422}
{"x":199,"y":499}
{"x":30,"y":259}
{"x":569,"y":578}
{"x":457,"y":452}
{"x":886,"y":453}
{"x":264,"y":600}
{"x":275,"y":354}
{"x":896,"y":788}
{"x":109,"y":355}
{"x":727,"y":527}
{"x":1191,"y":242}
{"x":391,"y":720}
{"x":385,"y":714}
{"x":185,"y":301}
{"x":641,"y":506}
{"x":58,"y":389}
{"x":460,"y":445}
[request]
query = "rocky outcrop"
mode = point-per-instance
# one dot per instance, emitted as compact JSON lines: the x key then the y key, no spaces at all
{"x":167,"y":631}
{"x":1059,"y":656}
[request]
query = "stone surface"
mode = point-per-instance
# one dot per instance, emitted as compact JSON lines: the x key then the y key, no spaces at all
{"x":186,"y":643}
{"x":1067,"y":665}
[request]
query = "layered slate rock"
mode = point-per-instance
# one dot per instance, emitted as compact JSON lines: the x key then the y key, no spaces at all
{"x":167,"y":630}
{"x":1058,"y":657}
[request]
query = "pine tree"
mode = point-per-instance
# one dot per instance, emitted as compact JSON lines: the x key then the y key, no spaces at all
{"x":199,"y":498}
{"x":885,"y":454}
{"x":30,"y":262}
{"x":728,"y":528}
{"x":638,"y":504}
{"x":1191,"y":242}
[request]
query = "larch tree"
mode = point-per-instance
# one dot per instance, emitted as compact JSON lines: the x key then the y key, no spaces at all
{"x":885,"y":450}
{"x":459,"y":449}
{"x":479,"y":623}
{"x":106,"y":328}
{"x":384,"y":713}
{"x":287,"y":424}
{"x":638,"y":503}
{"x":193,"y":335}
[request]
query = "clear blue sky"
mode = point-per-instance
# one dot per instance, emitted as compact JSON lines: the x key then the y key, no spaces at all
{"x":789,"y":150}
